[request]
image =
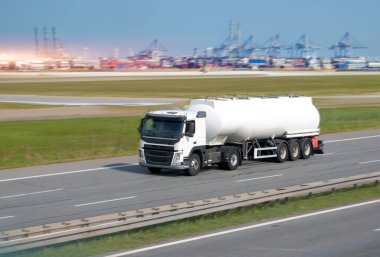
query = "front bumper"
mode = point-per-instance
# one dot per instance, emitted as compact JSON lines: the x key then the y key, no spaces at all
{"x":183,"y":166}
{"x":176,"y":161}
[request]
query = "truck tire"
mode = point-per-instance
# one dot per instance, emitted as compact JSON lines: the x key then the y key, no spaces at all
{"x":282,"y":152}
{"x":233,"y":160}
{"x":306,"y":148}
{"x":154,"y":170}
{"x":294,"y":150}
{"x":195,"y":165}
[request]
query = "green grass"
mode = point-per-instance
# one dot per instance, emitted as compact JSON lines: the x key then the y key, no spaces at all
{"x":25,"y":143}
{"x":189,"y":88}
{"x":347,"y":119}
{"x":194,"y":226}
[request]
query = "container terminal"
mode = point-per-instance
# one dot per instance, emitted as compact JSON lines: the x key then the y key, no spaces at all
{"x":235,"y":52}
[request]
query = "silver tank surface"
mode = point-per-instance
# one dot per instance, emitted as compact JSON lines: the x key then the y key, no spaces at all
{"x":237,"y":119}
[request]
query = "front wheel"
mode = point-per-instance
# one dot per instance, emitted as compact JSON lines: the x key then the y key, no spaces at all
{"x":195,"y":165}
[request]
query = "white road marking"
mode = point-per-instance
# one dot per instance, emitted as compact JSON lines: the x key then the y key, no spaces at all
{"x":350,"y":139}
{"x":65,"y":173}
{"x":34,"y":193}
{"x":106,"y":201}
{"x":6,"y":217}
{"x":369,"y":162}
{"x":325,"y":154}
{"x":248,"y":179}
{"x":377,"y":229}
{"x":241,"y":229}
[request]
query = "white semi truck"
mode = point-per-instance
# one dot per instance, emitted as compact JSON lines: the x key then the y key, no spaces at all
{"x":225,"y":131}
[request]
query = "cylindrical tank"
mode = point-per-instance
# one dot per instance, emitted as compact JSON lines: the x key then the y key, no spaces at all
{"x":239,"y":119}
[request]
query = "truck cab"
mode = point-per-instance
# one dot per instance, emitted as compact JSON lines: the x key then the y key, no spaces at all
{"x":169,"y":137}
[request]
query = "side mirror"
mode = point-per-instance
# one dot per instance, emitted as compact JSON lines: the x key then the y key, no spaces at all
{"x":190,"y":129}
{"x":141,"y":124}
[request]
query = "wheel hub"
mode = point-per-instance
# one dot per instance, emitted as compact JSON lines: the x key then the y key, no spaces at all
{"x":194,"y":164}
{"x":307,"y":149}
{"x":233,"y":160}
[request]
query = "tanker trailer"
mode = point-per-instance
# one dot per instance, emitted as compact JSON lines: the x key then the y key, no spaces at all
{"x":226,"y":131}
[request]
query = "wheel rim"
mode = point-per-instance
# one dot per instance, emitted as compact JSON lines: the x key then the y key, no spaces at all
{"x":233,"y":159}
{"x":283,"y":152}
{"x":194,"y":164}
{"x":307,"y":149}
{"x":295,"y":151}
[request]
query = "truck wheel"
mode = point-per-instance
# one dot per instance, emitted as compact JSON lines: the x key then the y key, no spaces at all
{"x":154,"y":170}
{"x":282,"y":152}
{"x":233,"y":160}
{"x":306,"y":148}
{"x":294,"y":150}
{"x":195,"y":165}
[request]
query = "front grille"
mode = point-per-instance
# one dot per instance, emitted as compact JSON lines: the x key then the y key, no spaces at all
{"x":159,"y":147}
{"x":158,"y":157}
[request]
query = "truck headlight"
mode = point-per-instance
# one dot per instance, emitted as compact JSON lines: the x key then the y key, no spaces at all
{"x":141,"y":156}
{"x":177,"y":158}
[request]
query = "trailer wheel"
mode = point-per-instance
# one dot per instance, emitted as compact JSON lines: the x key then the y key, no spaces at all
{"x":195,"y":165}
{"x":306,"y":148}
{"x":294,"y":150}
{"x":233,"y":160}
{"x":154,"y":170}
{"x":282,"y":152}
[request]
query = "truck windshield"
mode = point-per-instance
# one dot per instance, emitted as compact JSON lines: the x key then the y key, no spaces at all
{"x":158,"y":127}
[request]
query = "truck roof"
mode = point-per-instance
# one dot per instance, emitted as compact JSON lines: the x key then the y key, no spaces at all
{"x":174,"y":113}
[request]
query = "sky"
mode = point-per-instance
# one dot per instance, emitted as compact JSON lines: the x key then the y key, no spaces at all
{"x":130,"y":25}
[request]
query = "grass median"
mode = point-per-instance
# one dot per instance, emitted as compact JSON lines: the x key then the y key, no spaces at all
{"x":348,"y":119}
{"x":179,"y":229}
{"x":190,"y":88}
{"x":26,"y":143}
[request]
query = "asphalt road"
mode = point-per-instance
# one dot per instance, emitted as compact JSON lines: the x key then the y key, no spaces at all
{"x":330,"y":233}
{"x":44,"y":194}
